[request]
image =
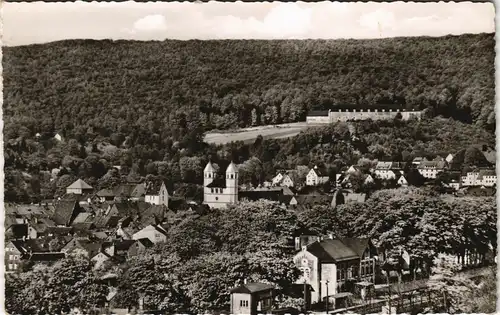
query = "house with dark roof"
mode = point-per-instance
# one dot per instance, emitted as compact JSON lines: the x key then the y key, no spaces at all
{"x":334,"y":262}
{"x":79,"y":187}
{"x":317,"y":176}
{"x":252,"y":298}
{"x":123,"y":192}
{"x":84,"y":247}
{"x":156,"y":193}
{"x":19,"y":251}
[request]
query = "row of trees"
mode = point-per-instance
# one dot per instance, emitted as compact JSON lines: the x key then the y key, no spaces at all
{"x":28,"y":161}
{"x":206,"y":255}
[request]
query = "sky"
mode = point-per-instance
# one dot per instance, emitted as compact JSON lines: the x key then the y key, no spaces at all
{"x":39,"y":22}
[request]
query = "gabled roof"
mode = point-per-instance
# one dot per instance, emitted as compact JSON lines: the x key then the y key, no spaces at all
{"x":252,"y":288}
{"x":49,"y":256}
{"x":65,"y":211}
{"x":79,"y":184}
{"x":321,"y":172}
{"x":31,"y":245}
{"x":432,"y":165}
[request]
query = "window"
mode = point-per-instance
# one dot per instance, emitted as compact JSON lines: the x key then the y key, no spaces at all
{"x":216,"y":198}
{"x":209,"y":175}
{"x":232,"y":176}
{"x":212,"y":190}
{"x":243,"y":303}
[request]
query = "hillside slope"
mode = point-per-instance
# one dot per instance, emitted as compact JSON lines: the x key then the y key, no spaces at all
{"x":171,"y":87}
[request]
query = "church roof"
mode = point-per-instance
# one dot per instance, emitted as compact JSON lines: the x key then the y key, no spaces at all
{"x":232,"y":168}
{"x":209,"y":167}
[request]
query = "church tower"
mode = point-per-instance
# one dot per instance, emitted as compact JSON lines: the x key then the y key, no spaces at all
{"x":208,"y":177}
{"x":232,"y":183}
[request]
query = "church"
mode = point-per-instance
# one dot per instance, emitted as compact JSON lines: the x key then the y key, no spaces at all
{"x":219,"y":190}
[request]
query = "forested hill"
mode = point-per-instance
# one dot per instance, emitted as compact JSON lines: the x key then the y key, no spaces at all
{"x":119,"y":89}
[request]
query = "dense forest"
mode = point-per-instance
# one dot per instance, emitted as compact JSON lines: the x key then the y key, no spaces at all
{"x":145,"y":105}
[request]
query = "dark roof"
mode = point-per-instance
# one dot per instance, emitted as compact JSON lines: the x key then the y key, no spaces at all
{"x":84,"y":226}
{"x":317,"y":113}
{"x":124,"y":244}
{"x":31,"y":245}
{"x":337,"y":250}
{"x":65,"y":211}
{"x":146,"y":242}
{"x":285,"y":199}
{"x":105,"y":193}
{"x":310,"y":200}
{"x":153,"y":187}
{"x":320,"y":171}
{"x":19,"y":230}
{"x":218,"y":182}
{"x":59,"y":230}
{"x":367,"y":107}
{"x":46,"y":256}
{"x":254,"y":195}
{"x":252,"y":288}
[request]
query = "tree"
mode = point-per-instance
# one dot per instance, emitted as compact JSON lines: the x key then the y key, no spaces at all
{"x":450,"y":284}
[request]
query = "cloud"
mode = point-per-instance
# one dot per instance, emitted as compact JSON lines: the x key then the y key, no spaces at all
{"x":151,"y":23}
{"x":23,"y":24}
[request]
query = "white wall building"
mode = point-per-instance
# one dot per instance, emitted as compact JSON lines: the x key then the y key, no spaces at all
{"x":218,"y":191}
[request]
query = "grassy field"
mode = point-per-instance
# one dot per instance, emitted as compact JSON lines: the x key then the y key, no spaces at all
{"x":249,"y":135}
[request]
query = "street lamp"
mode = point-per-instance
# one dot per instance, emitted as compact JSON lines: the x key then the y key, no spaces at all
{"x":326,"y":302}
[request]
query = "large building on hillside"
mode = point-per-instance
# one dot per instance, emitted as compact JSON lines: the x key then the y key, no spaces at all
{"x":219,"y":190}
{"x":349,"y":112}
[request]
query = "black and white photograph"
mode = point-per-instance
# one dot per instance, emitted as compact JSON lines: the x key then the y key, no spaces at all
{"x":249,"y":158}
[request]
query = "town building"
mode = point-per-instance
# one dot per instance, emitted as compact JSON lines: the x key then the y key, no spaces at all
{"x":485,"y":177}
{"x":283,"y":178}
{"x":351,"y":112}
{"x":328,"y":264}
{"x":155,"y":233}
{"x":388,"y":170}
{"x":157,"y":194}
{"x":316,"y":176}
{"x":220,"y":189}
{"x":430,"y":169}
{"x":252,"y":299}
{"x":79,"y":187}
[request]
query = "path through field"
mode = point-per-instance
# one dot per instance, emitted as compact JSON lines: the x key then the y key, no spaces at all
{"x":248,"y":135}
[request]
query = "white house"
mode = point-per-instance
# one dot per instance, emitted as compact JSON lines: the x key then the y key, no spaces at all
{"x":156,"y":194}
{"x":220,"y":190}
{"x":283,"y":179}
{"x":487,"y":178}
{"x":154,"y":233}
{"x":316,"y":177}
{"x":58,"y":137}
{"x":430,"y":169}
{"x":388,"y":170}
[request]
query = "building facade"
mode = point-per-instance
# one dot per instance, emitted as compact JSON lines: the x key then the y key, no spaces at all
{"x":336,"y":115}
{"x":220,"y":189}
